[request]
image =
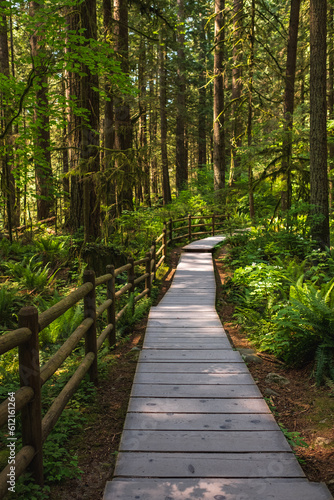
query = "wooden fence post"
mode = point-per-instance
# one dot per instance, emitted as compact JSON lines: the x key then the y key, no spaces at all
{"x":189,"y":227}
{"x":213,"y":224}
{"x":90,"y":312}
{"x":111,"y":312}
{"x":164,"y":241}
{"x":131,"y":279}
{"x":170,"y":224}
{"x":154,"y":266}
{"x":29,"y":370}
{"x":148,"y":280}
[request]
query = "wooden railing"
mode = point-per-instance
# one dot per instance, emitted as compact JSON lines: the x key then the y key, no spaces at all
{"x":27,"y":399}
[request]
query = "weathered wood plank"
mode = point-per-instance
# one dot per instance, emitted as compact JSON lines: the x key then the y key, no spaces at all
{"x":204,"y":441}
{"x":189,"y":331}
{"x":194,"y":378}
{"x":195,"y":391}
{"x":199,"y":367}
{"x":200,"y":422}
{"x":181,"y":405}
{"x":153,"y":355}
{"x":204,"y":465}
{"x":181,"y":323}
{"x":187,"y":344}
{"x":217,"y":489}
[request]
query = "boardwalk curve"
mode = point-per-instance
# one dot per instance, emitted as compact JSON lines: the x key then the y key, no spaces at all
{"x":197,"y":426}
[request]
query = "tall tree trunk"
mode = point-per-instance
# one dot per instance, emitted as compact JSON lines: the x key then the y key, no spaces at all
{"x":331,"y":99}
{"x":42,"y":155}
{"x":153,"y":130}
{"x":6,"y":155}
{"x":109,"y":125}
{"x":181,"y":157}
{"x":202,"y":112}
{"x":289,"y":97}
{"x":219,"y":165}
{"x":73,"y":93}
{"x":236,"y":90}
{"x":166,"y":194}
{"x":142,"y":81}
{"x":90,"y":157}
{"x":250,"y":112}
{"x":123,"y":125}
{"x":318,"y":132}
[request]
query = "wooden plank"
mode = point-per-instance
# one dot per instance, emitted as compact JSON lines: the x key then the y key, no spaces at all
{"x":190,"y":332}
{"x":195,"y":391}
{"x":189,"y":355}
{"x":180,"y":323}
{"x":187,"y":344}
{"x":177,"y":308}
{"x":196,"y":422}
{"x":194,"y":378}
{"x":204,"y":465}
{"x":192,"y":367}
{"x":204,"y":441}
{"x":215,"y":489}
{"x":181,"y":405}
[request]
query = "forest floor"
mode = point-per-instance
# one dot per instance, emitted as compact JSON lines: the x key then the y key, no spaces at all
{"x":299,"y":406}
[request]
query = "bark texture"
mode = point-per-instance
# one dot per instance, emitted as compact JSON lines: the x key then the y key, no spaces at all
{"x":218,"y":99}
{"x":318,"y":115}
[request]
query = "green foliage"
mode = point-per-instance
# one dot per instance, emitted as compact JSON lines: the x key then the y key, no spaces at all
{"x":133,"y":313}
{"x":31,"y":274}
{"x":304,"y":329}
{"x":10,"y":303}
{"x":294,"y":438}
{"x":53,"y":250}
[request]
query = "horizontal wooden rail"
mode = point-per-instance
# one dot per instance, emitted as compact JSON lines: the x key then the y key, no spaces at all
{"x":159,"y":238}
{"x":65,"y":395}
{"x":22,"y":397}
{"x":22,"y":460}
{"x":180,"y":228}
{"x":122,"y":269}
{"x":103,"y":307}
{"x":65,"y":350}
{"x":125,"y":288}
{"x":102,"y":280}
{"x":13,"y":339}
{"x":180,"y":237}
{"x":48,"y":316}
{"x":180,"y":220}
{"x":141,"y":261}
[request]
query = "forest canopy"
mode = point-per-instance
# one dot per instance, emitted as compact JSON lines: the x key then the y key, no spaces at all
{"x":116,"y":106}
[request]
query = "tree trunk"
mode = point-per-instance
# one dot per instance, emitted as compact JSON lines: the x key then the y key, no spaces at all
{"x":142,"y":82}
{"x":90,"y":158}
{"x":236,"y":90}
{"x":250,"y":112}
{"x":6,"y":155}
{"x":166,"y":194}
{"x":331,"y":99}
{"x":289,"y":97}
{"x":123,"y":125}
{"x":218,"y":100}
{"x":109,"y":123}
{"x":73,"y":93}
{"x":42,"y":155}
{"x":318,"y":132}
{"x":153,"y":130}
{"x":202,"y":112}
{"x":181,"y":157}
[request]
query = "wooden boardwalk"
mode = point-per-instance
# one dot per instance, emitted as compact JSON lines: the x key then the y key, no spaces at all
{"x":197,"y":426}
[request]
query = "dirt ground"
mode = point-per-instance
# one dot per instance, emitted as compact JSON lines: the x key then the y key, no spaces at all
{"x":298,"y":406}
